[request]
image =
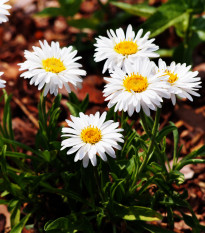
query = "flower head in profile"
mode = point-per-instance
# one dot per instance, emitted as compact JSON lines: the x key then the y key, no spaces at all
{"x":91,"y":135}
{"x":52,"y":67}
{"x":136,"y":88}
{"x":2,"y":82}
{"x":121,"y":47}
{"x":183,"y":82}
{"x":4,"y":11}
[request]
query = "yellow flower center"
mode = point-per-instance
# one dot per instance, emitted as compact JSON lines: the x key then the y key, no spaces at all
{"x":172,"y":77}
{"x":135,"y":82}
{"x":54,"y":65}
{"x":91,"y":134}
{"x":126,"y":48}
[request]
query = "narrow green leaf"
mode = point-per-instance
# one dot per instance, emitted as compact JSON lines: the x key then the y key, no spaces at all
{"x":180,"y":165}
{"x":194,"y":154}
{"x":165,"y":131}
{"x":19,"y":227}
{"x":15,"y":214}
{"x":70,"y":224}
{"x":3,"y":202}
{"x":21,"y":145}
{"x":176,"y":141}
{"x":132,"y":213}
{"x":143,"y":10}
{"x":74,"y":109}
{"x":19,"y":155}
{"x":84,"y":104}
{"x":165,"y":52}
{"x":167,"y":15}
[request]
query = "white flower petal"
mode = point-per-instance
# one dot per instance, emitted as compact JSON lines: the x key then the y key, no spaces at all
{"x":57,"y":72}
{"x":91,"y":135}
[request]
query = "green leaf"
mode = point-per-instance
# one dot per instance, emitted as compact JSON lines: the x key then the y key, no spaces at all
{"x":19,"y":227}
{"x":69,"y":224}
{"x":194,"y":154}
{"x":21,"y":145}
{"x":50,"y":11}
{"x":199,"y":24}
{"x":143,"y":10}
{"x":49,"y":155}
{"x":180,"y":165}
{"x":91,"y":23}
{"x":198,"y":6}
{"x":84,"y":104}
{"x":176,"y":176}
{"x":3,"y":163}
{"x":167,"y":15}
{"x":70,"y":7}
{"x":3,"y":202}
{"x":188,"y":220}
{"x":15,"y":213}
{"x":184,"y":52}
{"x":74,"y":109}
{"x":165,"y":52}
{"x":7,"y":123}
{"x":132,"y":213}
{"x":73,"y":98}
{"x":176,"y":141}
{"x":166,"y":130}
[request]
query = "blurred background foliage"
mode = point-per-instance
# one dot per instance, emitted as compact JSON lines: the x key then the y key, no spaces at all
{"x":185,"y":16}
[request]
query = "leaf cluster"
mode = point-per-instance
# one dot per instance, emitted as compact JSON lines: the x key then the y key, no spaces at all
{"x":47,"y":190}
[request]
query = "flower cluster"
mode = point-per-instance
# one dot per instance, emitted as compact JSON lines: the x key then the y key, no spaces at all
{"x":135,"y":84}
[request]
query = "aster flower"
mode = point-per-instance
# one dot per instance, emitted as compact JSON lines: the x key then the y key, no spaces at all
{"x":137,"y":87}
{"x":52,"y":67}
{"x":183,"y":82}
{"x":2,"y":82}
{"x":120,"y":47}
{"x":90,"y":136}
{"x":4,"y":11}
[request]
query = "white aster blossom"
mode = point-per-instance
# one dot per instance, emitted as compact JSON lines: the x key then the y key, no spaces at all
{"x":52,"y":67}
{"x":91,"y":135}
{"x":4,"y":11}
{"x":2,"y":82}
{"x":136,"y":88}
{"x":183,"y":82}
{"x":121,"y":47}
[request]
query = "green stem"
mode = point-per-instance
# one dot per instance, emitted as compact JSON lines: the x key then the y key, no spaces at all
{"x":186,"y":39}
{"x":153,"y":135}
{"x":144,"y":124}
{"x":97,"y":180}
{"x":162,"y":156}
{"x":122,"y":119}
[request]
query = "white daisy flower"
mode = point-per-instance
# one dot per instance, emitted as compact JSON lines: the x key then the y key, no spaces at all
{"x":90,"y":136}
{"x":137,"y":87}
{"x":183,"y":82}
{"x":2,"y":82}
{"x":120,"y":48}
{"x":4,"y":11}
{"x":52,"y":67}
